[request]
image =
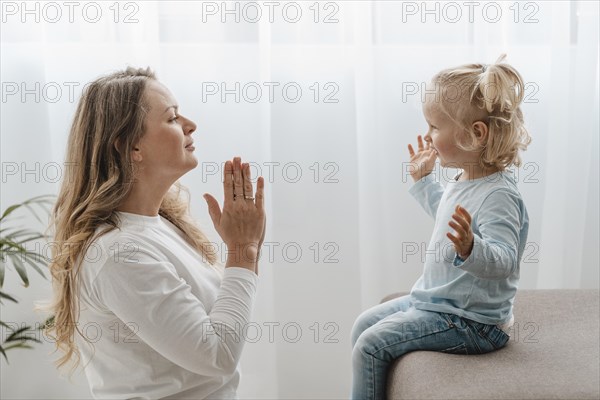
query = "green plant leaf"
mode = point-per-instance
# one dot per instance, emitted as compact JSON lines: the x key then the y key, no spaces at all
{"x":35,"y":236}
{"x":11,"y":244}
{"x":18,"y":233}
{"x":17,"y":336}
{"x":20,"y":268}
{"x":10,"y":210}
{"x":16,"y":333}
{"x":48,"y":323}
{"x":18,"y":345}
{"x":30,"y":262}
{"x":12,"y":250}
{"x":23,"y":339}
{"x":39,"y":259}
{"x":6,"y":296}
{"x":32,"y":211}
{"x":23,"y":236}
{"x":2,"y":270}
{"x":5,"y":325}
{"x":39,"y":200}
{"x":9,"y":231}
{"x":3,"y":353}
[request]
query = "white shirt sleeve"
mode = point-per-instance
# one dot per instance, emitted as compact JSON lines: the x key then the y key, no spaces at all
{"x":149,"y":294}
{"x":428,"y":193}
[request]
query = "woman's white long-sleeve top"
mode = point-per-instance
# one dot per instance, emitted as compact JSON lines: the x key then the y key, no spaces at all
{"x":163,"y":322}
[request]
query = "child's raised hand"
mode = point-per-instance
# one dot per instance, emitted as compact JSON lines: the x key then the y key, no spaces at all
{"x":423,"y":161}
{"x":463,"y":241}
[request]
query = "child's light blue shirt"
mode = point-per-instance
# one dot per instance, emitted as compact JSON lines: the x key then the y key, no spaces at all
{"x":483,"y":286}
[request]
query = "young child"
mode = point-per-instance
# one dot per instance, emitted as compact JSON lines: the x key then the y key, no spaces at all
{"x":462,"y":304}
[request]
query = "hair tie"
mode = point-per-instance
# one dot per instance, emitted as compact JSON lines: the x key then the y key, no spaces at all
{"x":483,"y":68}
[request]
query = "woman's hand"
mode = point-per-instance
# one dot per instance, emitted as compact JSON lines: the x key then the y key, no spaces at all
{"x":241,"y":223}
{"x":423,"y":161}
{"x":463,"y":239}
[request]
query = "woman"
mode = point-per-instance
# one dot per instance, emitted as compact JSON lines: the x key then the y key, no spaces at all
{"x":138,"y":295}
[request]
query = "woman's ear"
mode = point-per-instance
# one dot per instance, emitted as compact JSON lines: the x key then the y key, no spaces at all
{"x":481,"y":132}
{"x":117,"y":145}
{"x":136,"y":154}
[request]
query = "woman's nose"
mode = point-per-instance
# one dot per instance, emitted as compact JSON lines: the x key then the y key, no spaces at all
{"x":190,"y":127}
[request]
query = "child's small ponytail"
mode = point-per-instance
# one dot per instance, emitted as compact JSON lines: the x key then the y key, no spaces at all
{"x":501,"y":87}
{"x":501,"y":90}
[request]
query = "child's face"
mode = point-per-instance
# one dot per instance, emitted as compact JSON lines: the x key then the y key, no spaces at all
{"x":443,"y":134}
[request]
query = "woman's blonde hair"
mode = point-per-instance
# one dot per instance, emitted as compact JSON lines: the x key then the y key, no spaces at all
{"x":491,"y":94}
{"x":108,"y":122}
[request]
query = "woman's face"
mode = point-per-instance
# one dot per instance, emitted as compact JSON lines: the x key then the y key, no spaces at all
{"x":164,"y":151}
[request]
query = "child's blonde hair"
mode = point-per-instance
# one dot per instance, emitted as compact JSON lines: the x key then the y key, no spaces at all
{"x":491,"y":94}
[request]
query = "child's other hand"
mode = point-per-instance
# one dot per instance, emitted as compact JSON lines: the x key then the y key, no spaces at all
{"x":463,"y":239}
{"x":423,"y":161}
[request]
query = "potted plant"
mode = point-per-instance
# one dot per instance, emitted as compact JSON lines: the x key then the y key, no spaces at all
{"x":14,"y":252}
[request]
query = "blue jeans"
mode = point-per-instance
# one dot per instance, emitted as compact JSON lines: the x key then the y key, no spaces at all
{"x":385,"y":332}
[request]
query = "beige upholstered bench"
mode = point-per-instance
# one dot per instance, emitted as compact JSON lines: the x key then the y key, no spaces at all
{"x":553,"y":353}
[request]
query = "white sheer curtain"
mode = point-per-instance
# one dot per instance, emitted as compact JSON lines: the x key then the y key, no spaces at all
{"x":343,"y":231}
